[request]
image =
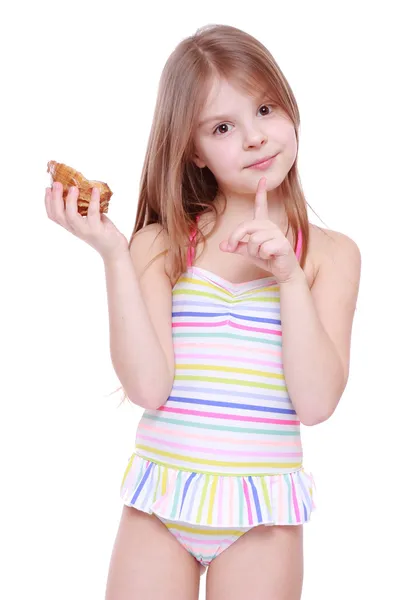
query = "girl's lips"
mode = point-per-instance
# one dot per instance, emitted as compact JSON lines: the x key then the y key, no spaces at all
{"x":263,"y":165}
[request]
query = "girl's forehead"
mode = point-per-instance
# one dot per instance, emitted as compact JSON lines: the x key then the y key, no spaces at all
{"x":227,"y":89}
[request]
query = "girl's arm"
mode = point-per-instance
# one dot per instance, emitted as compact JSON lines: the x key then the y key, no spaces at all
{"x":140,"y":320}
{"x":316,"y":331}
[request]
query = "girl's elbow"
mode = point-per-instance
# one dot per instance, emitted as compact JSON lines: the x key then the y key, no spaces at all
{"x":315,"y":418}
{"x":153,"y":399}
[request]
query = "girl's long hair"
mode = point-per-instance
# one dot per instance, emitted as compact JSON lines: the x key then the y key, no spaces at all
{"x":173,"y":190}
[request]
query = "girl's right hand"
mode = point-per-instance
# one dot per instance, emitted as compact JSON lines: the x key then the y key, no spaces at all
{"x":96,"y":229}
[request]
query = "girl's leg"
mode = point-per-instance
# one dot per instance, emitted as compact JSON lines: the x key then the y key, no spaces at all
{"x":266,"y":563}
{"x":147,"y":562}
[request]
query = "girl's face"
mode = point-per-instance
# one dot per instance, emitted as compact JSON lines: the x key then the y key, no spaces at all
{"x":236,"y":130}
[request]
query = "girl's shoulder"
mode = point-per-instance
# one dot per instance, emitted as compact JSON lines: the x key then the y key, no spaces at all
{"x":329,"y":248}
{"x":150,"y":242}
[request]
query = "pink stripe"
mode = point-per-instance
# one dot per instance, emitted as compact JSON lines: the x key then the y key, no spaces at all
{"x":227,"y":347}
{"x":240,"y":359}
{"x":193,"y":541}
{"x":281,"y":511}
{"x":174,"y":432}
{"x":299,"y":244}
{"x":295,"y":502}
{"x":220,"y":498}
{"x":246,"y":495}
{"x":226,"y":322}
{"x":184,"y":411}
{"x":231,"y":497}
{"x":190,"y":447}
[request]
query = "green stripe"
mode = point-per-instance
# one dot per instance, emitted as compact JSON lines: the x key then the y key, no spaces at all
{"x":178,"y":484}
{"x":217,"y":427}
{"x":253,"y":384}
{"x":287,"y":480}
{"x":241,"y":494}
{"x":245,"y":338}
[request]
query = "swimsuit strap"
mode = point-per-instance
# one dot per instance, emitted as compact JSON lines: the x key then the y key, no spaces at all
{"x":190,"y":254}
{"x":299,"y":244}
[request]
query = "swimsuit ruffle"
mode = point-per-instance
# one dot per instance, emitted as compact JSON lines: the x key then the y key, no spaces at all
{"x":218,"y":500}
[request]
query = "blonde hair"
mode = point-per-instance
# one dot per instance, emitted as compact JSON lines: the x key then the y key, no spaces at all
{"x":173,"y":190}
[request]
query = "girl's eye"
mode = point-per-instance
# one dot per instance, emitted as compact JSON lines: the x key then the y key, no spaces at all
{"x":218,"y":129}
{"x":265,"y":106}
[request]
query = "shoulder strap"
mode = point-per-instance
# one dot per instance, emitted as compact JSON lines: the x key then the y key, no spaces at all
{"x":191,"y":249}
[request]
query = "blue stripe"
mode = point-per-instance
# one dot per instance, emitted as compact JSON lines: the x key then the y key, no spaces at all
{"x":233,"y":405}
{"x":185,"y":489}
{"x":305,"y":512}
{"x":226,"y":314}
{"x":246,"y":394}
{"x":256,"y":500}
{"x":306,"y":495}
{"x":141,"y":485}
{"x":263,"y":309}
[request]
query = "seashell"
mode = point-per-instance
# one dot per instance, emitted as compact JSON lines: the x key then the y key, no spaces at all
{"x":68,"y":176}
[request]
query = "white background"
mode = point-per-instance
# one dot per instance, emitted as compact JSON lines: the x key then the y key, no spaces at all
{"x":79,"y":82}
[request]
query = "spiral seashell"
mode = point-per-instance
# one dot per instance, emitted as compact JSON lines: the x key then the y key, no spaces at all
{"x":68,"y":176}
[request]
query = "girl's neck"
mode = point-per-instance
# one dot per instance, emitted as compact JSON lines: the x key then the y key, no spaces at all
{"x":241,"y":208}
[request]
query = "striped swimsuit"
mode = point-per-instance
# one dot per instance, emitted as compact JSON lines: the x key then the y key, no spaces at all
{"x":224,"y":453}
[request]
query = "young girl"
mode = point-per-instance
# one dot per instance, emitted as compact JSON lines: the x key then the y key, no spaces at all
{"x":230,"y":324}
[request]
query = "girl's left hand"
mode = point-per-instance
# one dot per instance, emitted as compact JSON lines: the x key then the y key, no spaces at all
{"x":267,"y":246}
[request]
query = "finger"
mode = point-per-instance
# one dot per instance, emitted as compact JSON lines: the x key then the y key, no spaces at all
{"x":242,"y":249}
{"x":72,"y":216}
{"x":257,"y":239}
{"x":261,"y":201}
{"x":57,"y":202}
{"x":48,"y":203}
{"x":269,"y":249}
{"x":93,"y":214}
{"x":247,"y":228}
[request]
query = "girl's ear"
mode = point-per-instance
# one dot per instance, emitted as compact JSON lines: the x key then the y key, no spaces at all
{"x":198,"y":162}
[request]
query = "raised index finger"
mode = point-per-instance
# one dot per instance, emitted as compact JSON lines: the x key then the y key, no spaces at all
{"x":261,"y":202}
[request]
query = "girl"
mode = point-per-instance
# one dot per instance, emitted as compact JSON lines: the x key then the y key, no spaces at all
{"x":230,"y":324}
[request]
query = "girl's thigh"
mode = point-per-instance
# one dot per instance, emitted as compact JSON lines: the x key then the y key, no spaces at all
{"x":266,"y":563}
{"x":147,"y":562}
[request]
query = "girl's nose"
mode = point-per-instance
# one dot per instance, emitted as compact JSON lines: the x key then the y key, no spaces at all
{"x":254,"y":138}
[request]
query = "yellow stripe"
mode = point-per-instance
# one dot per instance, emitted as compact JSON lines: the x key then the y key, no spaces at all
{"x":127,"y":469}
{"x":208,"y":531}
{"x":204,"y":367}
{"x":266,"y":495}
{"x":202,"y":499}
{"x":218,"y":288}
{"x":255,"y":384}
{"x":164,"y":482}
{"x":218,"y":463}
{"x":189,"y":470}
{"x":213,"y":491}
{"x":157,"y":485}
{"x":230,"y":300}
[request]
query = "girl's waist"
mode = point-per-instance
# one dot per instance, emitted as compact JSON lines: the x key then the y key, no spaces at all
{"x":219,"y":448}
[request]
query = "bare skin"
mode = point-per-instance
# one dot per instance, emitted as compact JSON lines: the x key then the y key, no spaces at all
{"x":148,"y":563}
{"x":266,"y":563}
